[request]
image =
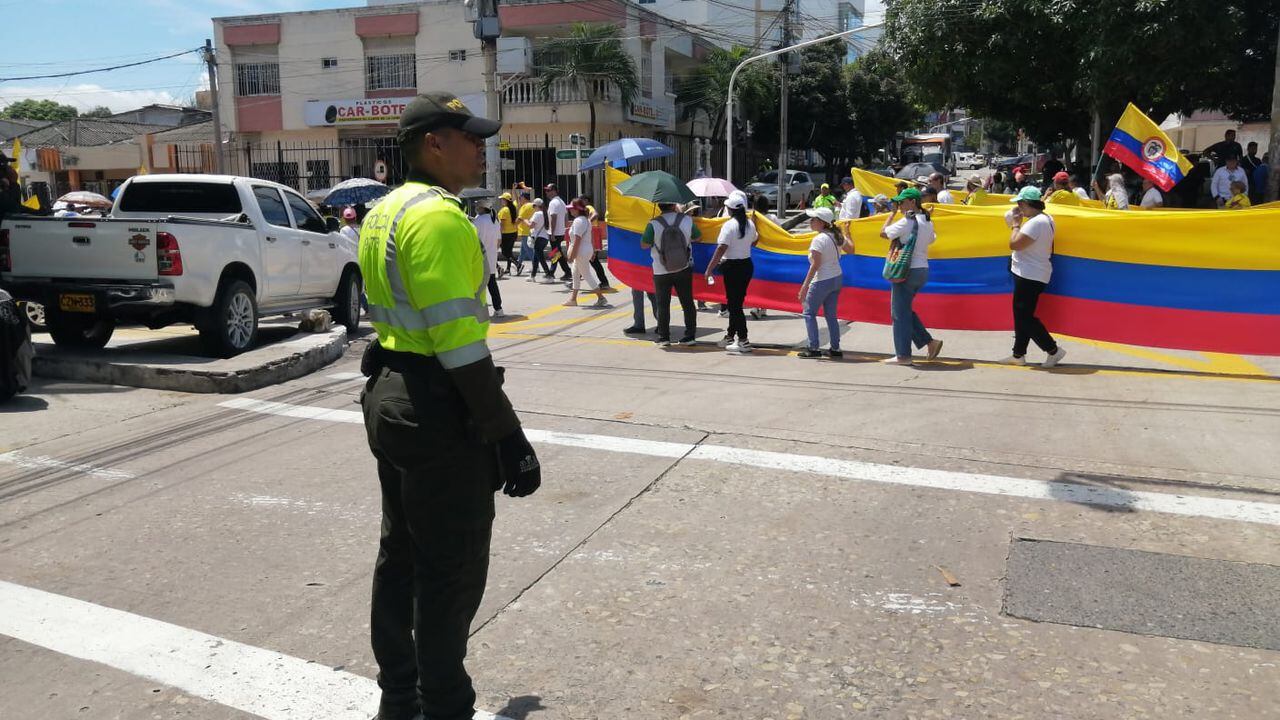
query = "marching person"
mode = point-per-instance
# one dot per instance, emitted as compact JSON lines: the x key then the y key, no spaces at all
{"x":507,"y":216}
{"x":851,"y":206}
{"x":1060,"y":192}
{"x":1151,"y":196}
{"x":1077,"y":187}
{"x":443,"y":433}
{"x":760,"y":209}
{"x":669,"y":240}
{"x":598,"y":232}
{"x":1117,"y":196}
{"x":733,"y":258}
{"x":907,"y":327}
{"x":1031,"y":243}
{"x":820,"y":290}
{"x":938,"y":184}
{"x":539,"y":237}
{"x":558,"y":226}
{"x":1239,"y":197}
{"x":490,"y":236}
{"x":524,"y":223}
{"x":350,"y":226}
{"x":977,"y":194}
{"x":1229,"y":173}
{"x":580,"y":250}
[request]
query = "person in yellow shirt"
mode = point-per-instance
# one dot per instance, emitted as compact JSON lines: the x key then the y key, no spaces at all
{"x":977,"y":194}
{"x":1239,"y":200}
{"x":1062,"y":194}
{"x":507,"y":215}
{"x":524,"y":221}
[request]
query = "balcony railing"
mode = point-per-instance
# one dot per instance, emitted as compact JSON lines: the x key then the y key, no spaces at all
{"x":528,"y":91}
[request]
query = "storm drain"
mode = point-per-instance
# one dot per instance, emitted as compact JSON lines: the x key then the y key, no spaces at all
{"x":1216,"y":601}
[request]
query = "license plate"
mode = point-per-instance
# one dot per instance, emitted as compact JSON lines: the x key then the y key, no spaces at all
{"x":77,"y":302}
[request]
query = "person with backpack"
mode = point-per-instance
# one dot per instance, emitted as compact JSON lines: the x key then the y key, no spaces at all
{"x":669,"y":240}
{"x":733,"y":259}
{"x":1031,"y":243}
{"x":912,"y":234}
{"x":821,"y":287}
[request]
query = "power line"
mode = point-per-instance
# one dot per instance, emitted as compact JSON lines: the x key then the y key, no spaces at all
{"x":98,"y":70}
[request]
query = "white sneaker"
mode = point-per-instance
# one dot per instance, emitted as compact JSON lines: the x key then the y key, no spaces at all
{"x":742,"y":347}
{"x":725,"y":342}
{"x":895,"y":360}
{"x":1055,"y":358}
{"x":499,"y":313}
{"x":1012,"y":360}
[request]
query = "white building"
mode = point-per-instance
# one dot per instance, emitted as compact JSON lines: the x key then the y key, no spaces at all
{"x":758,"y":23}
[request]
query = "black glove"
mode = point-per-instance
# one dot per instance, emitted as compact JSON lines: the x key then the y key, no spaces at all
{"x":518,"y":465}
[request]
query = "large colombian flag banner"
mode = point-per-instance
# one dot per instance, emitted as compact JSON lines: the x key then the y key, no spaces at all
{"x":1142,"y":145}
{"x":1205,"y":281}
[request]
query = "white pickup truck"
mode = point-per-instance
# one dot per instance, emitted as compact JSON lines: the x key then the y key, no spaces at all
{"x":213,"y":250}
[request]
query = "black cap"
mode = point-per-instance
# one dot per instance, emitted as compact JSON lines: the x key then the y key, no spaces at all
{"x":434,"y":110}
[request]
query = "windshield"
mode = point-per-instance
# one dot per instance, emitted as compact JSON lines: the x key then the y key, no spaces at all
{"x":771,"y":177}
{"x":181,"y":197}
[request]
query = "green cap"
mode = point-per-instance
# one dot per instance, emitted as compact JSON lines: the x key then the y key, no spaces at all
{"x":432,"y":110}
{"x":1027,"y":193}
{"x":908,"y":194}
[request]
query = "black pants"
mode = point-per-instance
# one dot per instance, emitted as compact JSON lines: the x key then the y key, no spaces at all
{"x":508,"y":245}
{"x":595,"y":265}
{"x":495,"y":297}
{"x":540,"y":258}
{"x":437,"y":484}
{"x":1026,"y":326}
{"x":737,"y":276}
{"x":556,"y":243}
{"x":682,"y":283}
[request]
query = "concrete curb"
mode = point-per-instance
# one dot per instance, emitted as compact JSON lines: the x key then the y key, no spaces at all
{"x":101,"y":367}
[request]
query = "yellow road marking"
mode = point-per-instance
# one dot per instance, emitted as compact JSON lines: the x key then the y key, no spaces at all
{"x":522,"y":326}
{"x":1218,"y":363}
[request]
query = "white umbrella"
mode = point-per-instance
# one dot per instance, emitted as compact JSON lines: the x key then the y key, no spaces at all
{"x":711,"y":187}
{"x":89,"y":199}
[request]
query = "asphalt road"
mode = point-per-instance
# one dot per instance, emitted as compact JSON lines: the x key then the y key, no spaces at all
{"x":717,"y":536}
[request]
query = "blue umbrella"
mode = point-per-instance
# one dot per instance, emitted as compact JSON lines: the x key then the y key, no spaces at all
{"x":355,"y":191}
{"x":620,"y":152}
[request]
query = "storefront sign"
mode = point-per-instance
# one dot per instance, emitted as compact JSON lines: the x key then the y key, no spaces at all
{"x":650,"y":114}
{"x":343,"y":113}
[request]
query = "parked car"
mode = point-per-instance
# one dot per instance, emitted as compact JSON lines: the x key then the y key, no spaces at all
{"x":800,"y":187}
{"x":216,"y":251}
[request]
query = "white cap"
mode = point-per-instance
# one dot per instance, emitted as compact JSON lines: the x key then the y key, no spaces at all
{"x":737,"y":200}
{"x":823,"y":214}
{"x":537,"y":201}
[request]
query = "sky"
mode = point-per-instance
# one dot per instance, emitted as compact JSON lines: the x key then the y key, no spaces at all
{"x":53,"y":36}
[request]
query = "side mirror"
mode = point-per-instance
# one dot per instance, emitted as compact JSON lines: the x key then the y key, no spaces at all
{"x":332,"y":224}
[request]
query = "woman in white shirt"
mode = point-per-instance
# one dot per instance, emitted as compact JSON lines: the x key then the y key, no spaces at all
{"x":490,"y":234}
{"x":733,"y":259}
{"x":541,"y":238}
{"x":580,"y":253}
{"x":821,"y":287}
{"x":907,"y":327}
{"x":1151,"y":197}
{"x":1117,"y":196}
{"x":1032,"y":265}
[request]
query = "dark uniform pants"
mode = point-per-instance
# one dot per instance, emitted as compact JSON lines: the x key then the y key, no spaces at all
{"x":437,"y":514}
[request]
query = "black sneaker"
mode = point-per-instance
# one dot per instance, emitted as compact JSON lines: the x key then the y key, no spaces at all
{"x":662,"y":342}
{"x":688,"y":340}
{"x":809,"y":354}
{"x":634,"y":331}
{"x":835,"y":354}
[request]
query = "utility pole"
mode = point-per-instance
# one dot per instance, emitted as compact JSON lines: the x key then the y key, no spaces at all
{"x":782,"y":136}
{"x":212,"y":62}
{"x":1273,"y":148}
{"x":487,"y":30}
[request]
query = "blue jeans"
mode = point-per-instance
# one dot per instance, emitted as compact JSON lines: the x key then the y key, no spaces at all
{"x":907,"y":327}
{"x":637,"y":307}
{"x":823,"y":295}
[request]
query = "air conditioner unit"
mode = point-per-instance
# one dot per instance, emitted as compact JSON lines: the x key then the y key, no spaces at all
{"x":515,"y":55}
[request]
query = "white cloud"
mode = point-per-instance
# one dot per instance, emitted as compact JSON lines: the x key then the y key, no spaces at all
{"x":86,"y":96}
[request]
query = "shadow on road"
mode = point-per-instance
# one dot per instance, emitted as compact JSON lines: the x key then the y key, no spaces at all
{"x":519,"y":708}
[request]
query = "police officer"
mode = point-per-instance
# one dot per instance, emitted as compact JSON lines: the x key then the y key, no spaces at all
{"x":442,"y":430}
{"x":825,"y":199}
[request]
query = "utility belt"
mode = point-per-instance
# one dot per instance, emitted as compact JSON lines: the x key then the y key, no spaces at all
{"x":376,"y":358}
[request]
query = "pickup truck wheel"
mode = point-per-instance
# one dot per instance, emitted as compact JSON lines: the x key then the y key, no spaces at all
{"x":35,"y":314}
{"x":346,"y":304}
{"x":231,"y":326}
{"x":78,"y":331}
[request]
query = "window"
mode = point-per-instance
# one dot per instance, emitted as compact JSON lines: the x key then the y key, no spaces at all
{"x":181,"y":197}
{"x":387,"y":72}
{"x":304,"y":217}
{"x":646,"y":69}
{"x":257,"y":79}
{"x":272,"y":206}
{"x":328,"y":63}
{"x":457,"y":55}
{"x":648,"y":2}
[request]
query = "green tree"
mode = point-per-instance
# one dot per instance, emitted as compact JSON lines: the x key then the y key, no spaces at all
{"x":102,"y":111}
{"x":706,"y":90}
{"x":39,"y":110}
{"x":879,"y":103}
{"x":1047,"y":66}
{"x":591,"y":57}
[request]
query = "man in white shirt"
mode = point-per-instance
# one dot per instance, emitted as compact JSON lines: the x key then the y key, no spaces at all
{"x":1077,"y":188}
{"x":557,"y":224}
{"x":1151,"y":196}
{"x":1225,"y":175}
{"x":851,"y":205}
{"x":939,"y":185}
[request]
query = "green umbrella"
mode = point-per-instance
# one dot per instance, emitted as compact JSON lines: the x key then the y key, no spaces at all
{"x":657,"y":186}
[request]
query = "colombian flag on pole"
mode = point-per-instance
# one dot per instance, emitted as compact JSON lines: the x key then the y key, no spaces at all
{"x":1140,"y":144}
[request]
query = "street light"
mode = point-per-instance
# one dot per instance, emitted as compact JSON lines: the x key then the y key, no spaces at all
{"x":728,"y":128}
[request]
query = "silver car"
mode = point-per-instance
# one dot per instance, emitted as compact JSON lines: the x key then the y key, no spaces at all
{"x":799,"y":187}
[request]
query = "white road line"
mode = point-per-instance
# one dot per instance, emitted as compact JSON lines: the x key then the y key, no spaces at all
{"x":44,"y":462}
{"x":261,"y":682}
{"x":346,"y":376}
{"x":1189,"y":505}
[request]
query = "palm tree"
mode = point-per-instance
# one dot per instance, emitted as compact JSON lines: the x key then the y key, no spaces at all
{"x":706,"y":90}
{"x":591,"y":57}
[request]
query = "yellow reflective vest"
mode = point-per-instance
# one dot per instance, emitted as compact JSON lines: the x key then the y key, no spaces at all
{"x":425,"y":276}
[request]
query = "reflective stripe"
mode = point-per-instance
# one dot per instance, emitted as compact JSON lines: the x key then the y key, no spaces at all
{"x":398,"y":293}
{"x":430,"y":317}
{"x":465,"y":355}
